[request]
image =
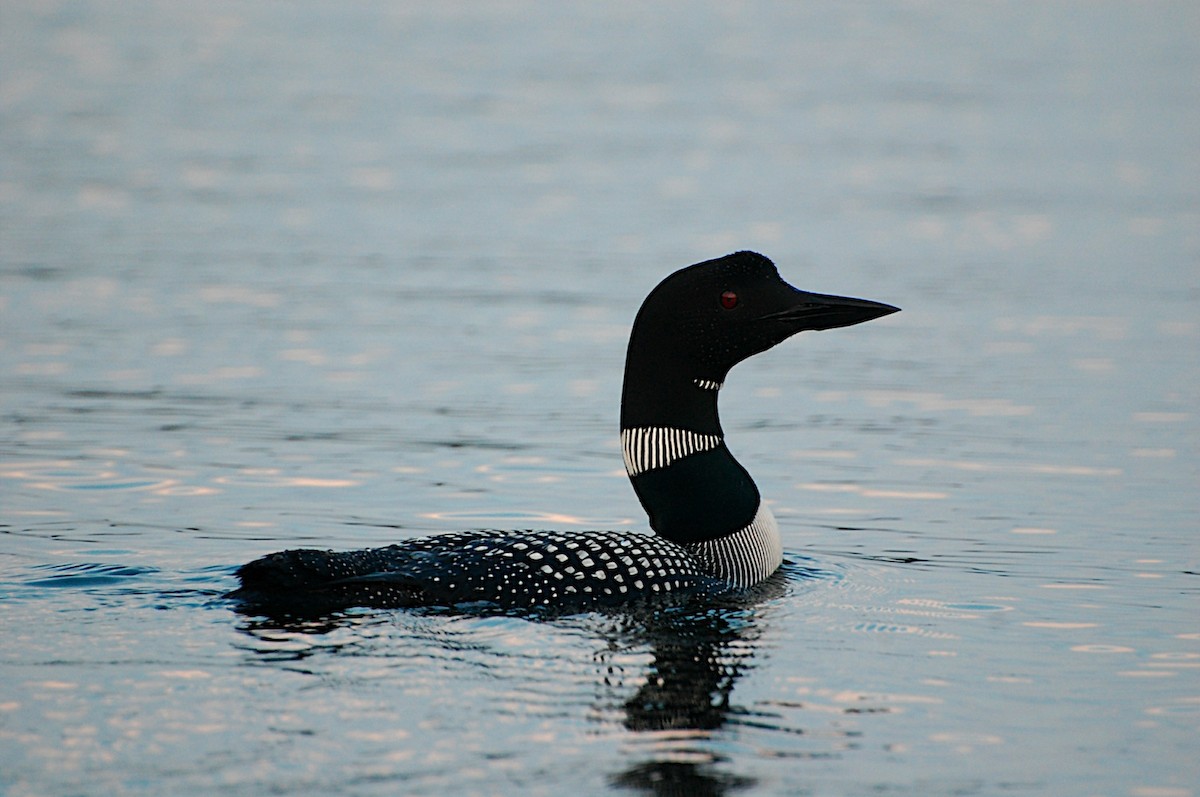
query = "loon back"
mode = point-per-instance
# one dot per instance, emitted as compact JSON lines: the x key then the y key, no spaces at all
{"x":506,"y":569}
{"x":714,"y":533}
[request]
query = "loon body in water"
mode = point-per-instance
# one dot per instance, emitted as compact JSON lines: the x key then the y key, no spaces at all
{"x":713,"y":532}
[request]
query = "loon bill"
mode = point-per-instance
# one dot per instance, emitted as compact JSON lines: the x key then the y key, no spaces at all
{"x":713,"y":532}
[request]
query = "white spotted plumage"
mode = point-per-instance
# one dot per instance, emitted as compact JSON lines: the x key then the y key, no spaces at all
{"x":539,"y":568}
{"x":523,"y":568}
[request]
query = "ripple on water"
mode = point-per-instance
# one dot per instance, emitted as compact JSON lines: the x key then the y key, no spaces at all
{"x":87,"y":585}
{"x":86,"y":574}
{"x":664,"y":676}
{"x":80,"y":475}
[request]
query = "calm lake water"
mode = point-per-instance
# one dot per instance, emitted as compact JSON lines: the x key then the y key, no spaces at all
{"x":322,"y":274}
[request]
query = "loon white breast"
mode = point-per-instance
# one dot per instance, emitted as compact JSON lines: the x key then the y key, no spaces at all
{"x":713,"y":532}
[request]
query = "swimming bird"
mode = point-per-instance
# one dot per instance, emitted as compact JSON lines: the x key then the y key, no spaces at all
{"x":713,"y":534}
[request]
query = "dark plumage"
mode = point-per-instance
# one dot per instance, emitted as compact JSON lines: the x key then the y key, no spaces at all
{"x":519,"y":569}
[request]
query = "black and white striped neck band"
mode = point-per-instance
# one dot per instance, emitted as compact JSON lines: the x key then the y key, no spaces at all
{"x":650,"y":447}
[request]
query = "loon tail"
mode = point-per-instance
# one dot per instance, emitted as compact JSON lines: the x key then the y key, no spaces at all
{"x":333,"y":578}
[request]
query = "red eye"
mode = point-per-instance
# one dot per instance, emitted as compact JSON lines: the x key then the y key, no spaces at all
{"x":729,"y":300}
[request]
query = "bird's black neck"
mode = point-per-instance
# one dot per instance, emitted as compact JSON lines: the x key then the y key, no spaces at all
{"x":688,"y":482}
{"x":663,"y":391}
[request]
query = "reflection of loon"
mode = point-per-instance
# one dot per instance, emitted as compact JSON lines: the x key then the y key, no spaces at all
{"x":714,"y":533}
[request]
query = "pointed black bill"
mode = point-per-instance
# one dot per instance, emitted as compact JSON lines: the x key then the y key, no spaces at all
{"x":812,"y":311}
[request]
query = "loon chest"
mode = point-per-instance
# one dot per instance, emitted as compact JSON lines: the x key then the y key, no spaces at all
{"x":697,"y":495}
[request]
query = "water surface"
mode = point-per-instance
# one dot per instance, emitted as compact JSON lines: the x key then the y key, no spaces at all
{"x":335,"y":276}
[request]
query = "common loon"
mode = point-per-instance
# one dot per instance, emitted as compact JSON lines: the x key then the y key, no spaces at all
{"x":714,"y":534}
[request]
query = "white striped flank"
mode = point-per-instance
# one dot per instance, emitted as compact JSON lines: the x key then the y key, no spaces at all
{"x":708,"y":384}
{"x":746,"y":557}
{"x":650,"y":447}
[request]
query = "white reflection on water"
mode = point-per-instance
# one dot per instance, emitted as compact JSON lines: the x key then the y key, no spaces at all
{"x":527,"y":519}
{"x":930,"y":402}
{"x":1030,"y":468}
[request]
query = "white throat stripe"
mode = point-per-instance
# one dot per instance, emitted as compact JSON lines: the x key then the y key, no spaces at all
{"x":650,"y":447}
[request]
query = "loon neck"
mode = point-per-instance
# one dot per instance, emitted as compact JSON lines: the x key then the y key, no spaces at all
{"x":691,"y":486}
{"x":654,"y":397}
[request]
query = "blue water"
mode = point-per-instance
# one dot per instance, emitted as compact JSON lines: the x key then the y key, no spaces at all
{"x":339,"y":274}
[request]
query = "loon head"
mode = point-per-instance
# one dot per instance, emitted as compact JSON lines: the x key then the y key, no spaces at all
{"x":696,"y":325}
{"x":702,"y":320}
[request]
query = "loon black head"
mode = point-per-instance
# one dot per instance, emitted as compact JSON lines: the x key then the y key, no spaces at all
{"x":695,"y":326}
{"x":704,"y":319}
